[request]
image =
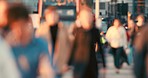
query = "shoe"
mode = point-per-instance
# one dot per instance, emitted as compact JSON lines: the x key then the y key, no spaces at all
{"x":117,"y":71}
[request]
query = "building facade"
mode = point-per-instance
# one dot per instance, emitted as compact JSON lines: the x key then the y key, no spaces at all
{"x":104,"y":7}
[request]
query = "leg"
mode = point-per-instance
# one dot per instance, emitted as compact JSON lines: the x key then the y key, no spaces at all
{"x":79,"y":70}
{"x":121,"y":56}
{"x":115,"y":56}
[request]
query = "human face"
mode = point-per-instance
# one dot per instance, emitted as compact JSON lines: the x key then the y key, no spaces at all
{"x":117,"y":23}
{"x":18,"y":29}
{"x":85,"y":19}
{"x":52,"y":18}
{"x":27,"y":33}
{"x":140,"y":19}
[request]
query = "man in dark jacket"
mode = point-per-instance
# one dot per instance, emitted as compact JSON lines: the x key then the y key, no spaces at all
{"x":141,"y":56}
{"x":83,"y":51}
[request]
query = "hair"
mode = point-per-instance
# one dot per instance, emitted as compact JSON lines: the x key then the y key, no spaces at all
{"x":86,"y":10}
{"x":50,"y":9}
{"x":117,"y":20}
{"x":17,"y":11}
{"x":140,"y":15}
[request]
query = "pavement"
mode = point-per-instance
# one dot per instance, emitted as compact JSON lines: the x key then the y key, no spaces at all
{"x":125,"y":72}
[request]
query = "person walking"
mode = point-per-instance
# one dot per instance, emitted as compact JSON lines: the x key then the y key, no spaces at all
{"x":140,"y":54}
{"x":140,"y":22}
{"x":28,"y":51}
{"x":8,"y":67}
{"x":54,"y":32}
{"x":83,"y":56}
{"x":117,"y":39}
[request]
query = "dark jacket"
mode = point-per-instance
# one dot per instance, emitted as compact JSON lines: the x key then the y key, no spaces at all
{"x":141,"y":49}
{"x":83,"y":53}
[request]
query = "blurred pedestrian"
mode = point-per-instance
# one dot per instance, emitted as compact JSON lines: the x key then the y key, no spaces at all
{"x":8,"y":67}
{"x":83,"y":52}
{"x":28,"y":51}
{"x":140,"y":22}
{"x":58,"y":40}
{"x":132,"y":27}
{"x":117,"y":39}
{"x":140,"y":56}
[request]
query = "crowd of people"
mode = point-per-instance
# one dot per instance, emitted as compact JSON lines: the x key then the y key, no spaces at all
{"x":52,"y":49}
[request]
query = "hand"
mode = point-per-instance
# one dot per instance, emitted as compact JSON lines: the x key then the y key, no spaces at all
{"x":129,"y":14}
{"x":102,"y":33}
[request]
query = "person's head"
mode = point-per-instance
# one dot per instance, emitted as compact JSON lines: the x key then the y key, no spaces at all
{"x":27,"y":32}
{"x":51,"y":15}
{"x":117,"y":22}
{"x":140,"y":18}
{"x":18,"y":19}
{"x":86,"y":18}
{"x":3,"y":13}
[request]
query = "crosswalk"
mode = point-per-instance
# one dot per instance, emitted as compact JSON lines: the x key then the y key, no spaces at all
{"x":125,"y":72}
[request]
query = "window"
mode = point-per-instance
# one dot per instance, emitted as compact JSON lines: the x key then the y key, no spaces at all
{"x":102,"y":5}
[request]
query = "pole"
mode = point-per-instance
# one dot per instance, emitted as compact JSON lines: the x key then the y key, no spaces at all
{"x":97,"y":12}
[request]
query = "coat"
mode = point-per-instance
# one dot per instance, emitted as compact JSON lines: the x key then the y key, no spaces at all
{"x":83,"y":55}
{"x":141,"y":53}
{"x":8,"y":67}
{"x":62,"y":45}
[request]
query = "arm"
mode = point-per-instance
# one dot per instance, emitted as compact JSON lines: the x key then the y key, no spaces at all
{"x":41,"y":31}
{"x":124,"y":39}
{"x":8,"y":67}
{"x":108,"y":35}
{"x":45,"y":68}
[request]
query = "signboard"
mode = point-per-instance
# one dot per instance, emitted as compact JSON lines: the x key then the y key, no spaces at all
{"x":67,"y":13}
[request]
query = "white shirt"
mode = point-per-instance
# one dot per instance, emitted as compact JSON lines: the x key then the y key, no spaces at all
{"x":8,"y":67}
{"x":117,"y":37}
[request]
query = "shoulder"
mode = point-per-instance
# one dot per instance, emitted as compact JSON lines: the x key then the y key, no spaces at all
{"x":43,"y":25}
{"x":42,"y":30}
{"x":4,"y":46}
{"x":122,"y":28}
{"x":141,"y":38}
{"x":5,"y":49}
{"x":110,"y":28}
{"x":95,"y":30}
{"x":41,"y":43}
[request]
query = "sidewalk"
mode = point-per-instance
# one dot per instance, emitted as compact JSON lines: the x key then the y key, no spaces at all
{"x":125,"y":72}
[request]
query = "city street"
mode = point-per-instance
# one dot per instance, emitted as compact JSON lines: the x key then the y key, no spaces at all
{"x":125,"y":72}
